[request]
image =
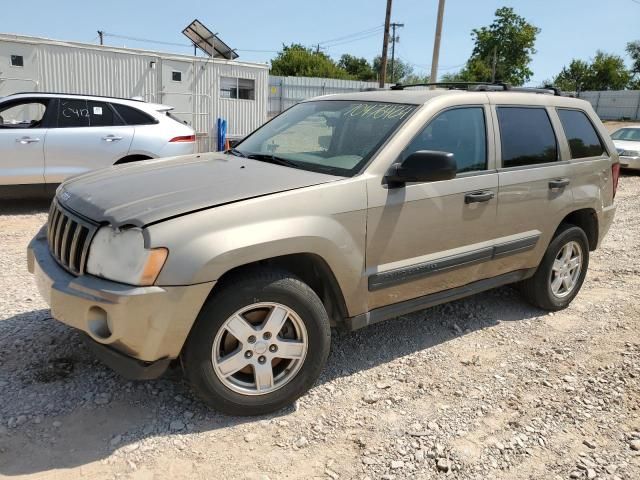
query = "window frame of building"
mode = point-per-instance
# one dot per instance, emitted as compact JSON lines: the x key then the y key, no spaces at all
{"x":17,"y":61}
{"x":235,"y":91}
{"x":176,"y":78}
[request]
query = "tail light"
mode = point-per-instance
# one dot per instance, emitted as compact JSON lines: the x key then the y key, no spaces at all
{"x":615,"y":175}
{"x":183,"y":138}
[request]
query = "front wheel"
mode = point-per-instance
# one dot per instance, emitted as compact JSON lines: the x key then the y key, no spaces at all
{"x":259,"y":343}
{"x":561,"y":273}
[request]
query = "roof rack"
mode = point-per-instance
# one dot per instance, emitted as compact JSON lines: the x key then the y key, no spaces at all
{"x":482,"y":87}
{"x":75,"y":95}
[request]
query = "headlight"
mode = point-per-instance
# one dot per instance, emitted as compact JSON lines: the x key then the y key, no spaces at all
{"x":121,"y":256}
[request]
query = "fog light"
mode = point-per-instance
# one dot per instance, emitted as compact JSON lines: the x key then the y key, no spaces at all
{"x":98,"y":322}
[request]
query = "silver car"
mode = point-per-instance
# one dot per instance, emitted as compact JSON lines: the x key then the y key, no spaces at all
{"x":627,"y":142}
{"x":47,"y":137}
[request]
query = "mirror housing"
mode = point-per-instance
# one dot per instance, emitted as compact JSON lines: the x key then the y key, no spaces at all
{"x":422,"y":166}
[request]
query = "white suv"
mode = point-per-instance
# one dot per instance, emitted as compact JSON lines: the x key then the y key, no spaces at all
{"x":47,"y":137}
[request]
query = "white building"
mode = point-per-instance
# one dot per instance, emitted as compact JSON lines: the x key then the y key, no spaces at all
{"x":201,"y":89}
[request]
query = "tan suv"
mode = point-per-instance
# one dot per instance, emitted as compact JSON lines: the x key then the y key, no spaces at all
{"x":343,"y":211}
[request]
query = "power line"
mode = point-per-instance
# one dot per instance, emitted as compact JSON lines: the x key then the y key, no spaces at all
{"x":354,"y":34}
{"x":357,"y":39}
{"x":146,"y":40}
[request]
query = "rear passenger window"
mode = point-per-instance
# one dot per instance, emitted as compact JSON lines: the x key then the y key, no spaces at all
{"x":526,"y":136}
{"x":100,"y":115}
{"x":582,"y":137}
{"x":460,"y":131}
{"x":133,"y":116}
{"x":73,"y":113}
{"x":85,"y":113}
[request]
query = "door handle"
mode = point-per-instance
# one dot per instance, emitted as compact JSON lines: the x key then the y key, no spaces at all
{"x":559,"y":183}
{"x":27,"y":140}
{"x":478,"y":197}
{"x":111,"y":138}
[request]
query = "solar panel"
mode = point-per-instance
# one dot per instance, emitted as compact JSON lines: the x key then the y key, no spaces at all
{"x":208,"y":42}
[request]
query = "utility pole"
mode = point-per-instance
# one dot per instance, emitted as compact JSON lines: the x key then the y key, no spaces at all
{"x":494,"y":64}
{"x":394,"y":39}
{"x":385,"y":44}
{"x":436,"y":43}
{"x":101,"y":36}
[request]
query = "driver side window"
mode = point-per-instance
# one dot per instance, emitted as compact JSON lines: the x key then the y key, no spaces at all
{"x":461,"y":131}
{"x":25,"y":114}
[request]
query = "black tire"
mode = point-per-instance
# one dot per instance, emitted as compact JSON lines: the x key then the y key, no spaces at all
{"x":537,"y":289}
{"x":240,"y":291}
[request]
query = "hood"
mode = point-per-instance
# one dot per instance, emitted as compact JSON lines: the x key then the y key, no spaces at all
{"x":146,"y":192}
{"x":626,"y":145}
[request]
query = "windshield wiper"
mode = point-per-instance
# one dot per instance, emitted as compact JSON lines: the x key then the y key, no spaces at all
{"x":236,"y":152}
{"x":270,"y":158}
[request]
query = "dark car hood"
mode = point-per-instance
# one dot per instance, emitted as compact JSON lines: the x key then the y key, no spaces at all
{"x":146,"y":192}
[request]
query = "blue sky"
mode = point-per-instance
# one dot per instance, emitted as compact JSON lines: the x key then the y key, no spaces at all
{"x":570,"y":28}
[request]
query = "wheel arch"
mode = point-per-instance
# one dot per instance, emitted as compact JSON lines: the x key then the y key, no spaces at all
{"x":311,"y":268}
{"x":587,"y":220}
{"x":132,"y":158}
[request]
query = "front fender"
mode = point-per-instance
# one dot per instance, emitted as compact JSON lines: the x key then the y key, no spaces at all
{"x":204,"y":245}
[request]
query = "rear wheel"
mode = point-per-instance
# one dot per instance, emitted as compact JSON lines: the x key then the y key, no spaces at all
{"x":561,"y":273}
{"x":259,"y":343}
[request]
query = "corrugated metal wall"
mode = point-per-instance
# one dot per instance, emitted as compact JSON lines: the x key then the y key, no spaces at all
{"x":87,"y":69}
{"x":285,"y":92}
{"x":615,"y":105}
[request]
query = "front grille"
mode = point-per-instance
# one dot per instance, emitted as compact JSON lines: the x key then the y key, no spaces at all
{"x":69,"y":237}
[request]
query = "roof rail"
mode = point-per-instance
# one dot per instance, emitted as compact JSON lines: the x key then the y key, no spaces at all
{"x":135,"y":99}
{"x":482,"y":87}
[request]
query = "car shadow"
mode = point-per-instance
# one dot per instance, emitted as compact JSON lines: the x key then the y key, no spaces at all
{"x":24,"y":206}
{"x":61,"y":408}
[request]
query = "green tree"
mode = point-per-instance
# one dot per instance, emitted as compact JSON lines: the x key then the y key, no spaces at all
{"x":577,"y":77}
{"x":401,"y":69}
{"x":509,"y":43}
{"x":609,"y":72}
{"x":296,"y":60}
{"x":605,"y":72}
{"x":357,"y":68}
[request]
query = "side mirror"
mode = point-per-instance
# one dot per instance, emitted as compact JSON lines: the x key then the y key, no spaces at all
{"x":422,"y":166}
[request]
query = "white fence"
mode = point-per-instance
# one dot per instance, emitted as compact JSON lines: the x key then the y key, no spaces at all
{"x":615,"y":105}
{"x":285,"y":92}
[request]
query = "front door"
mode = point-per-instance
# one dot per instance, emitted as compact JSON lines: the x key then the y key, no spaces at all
{"x":427,"y":237}
{"x":88,"y":135}
{"x":22,"y":139}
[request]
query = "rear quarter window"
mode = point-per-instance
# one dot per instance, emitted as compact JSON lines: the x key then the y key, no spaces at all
{"x":582,"y":136}
{"x":133,"y":116}
{"x":526,"y":136}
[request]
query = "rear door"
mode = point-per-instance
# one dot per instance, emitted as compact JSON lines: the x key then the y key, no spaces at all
{"x":535,"y":183}
{"x":590,"y":162}
{"x":23,"y":130}
{"x":88,"y":135}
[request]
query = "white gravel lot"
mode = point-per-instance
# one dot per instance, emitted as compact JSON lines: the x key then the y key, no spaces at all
{"x":483,"y":388}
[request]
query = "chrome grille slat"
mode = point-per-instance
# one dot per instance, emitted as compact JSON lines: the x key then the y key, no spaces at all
{"x":56,"y":234}
{"x":69,"y":237}
{"x":74,"y":245}
{"x":63,"y":242}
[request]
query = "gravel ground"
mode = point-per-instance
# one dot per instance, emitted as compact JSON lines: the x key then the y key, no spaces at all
{"x":483,"y":388}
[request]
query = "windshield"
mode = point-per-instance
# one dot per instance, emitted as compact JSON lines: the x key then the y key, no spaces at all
{"x":632,"y":134}
{"x":330,"y":136}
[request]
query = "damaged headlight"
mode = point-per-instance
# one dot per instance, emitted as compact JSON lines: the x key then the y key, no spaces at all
{"x":120,"y":255}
